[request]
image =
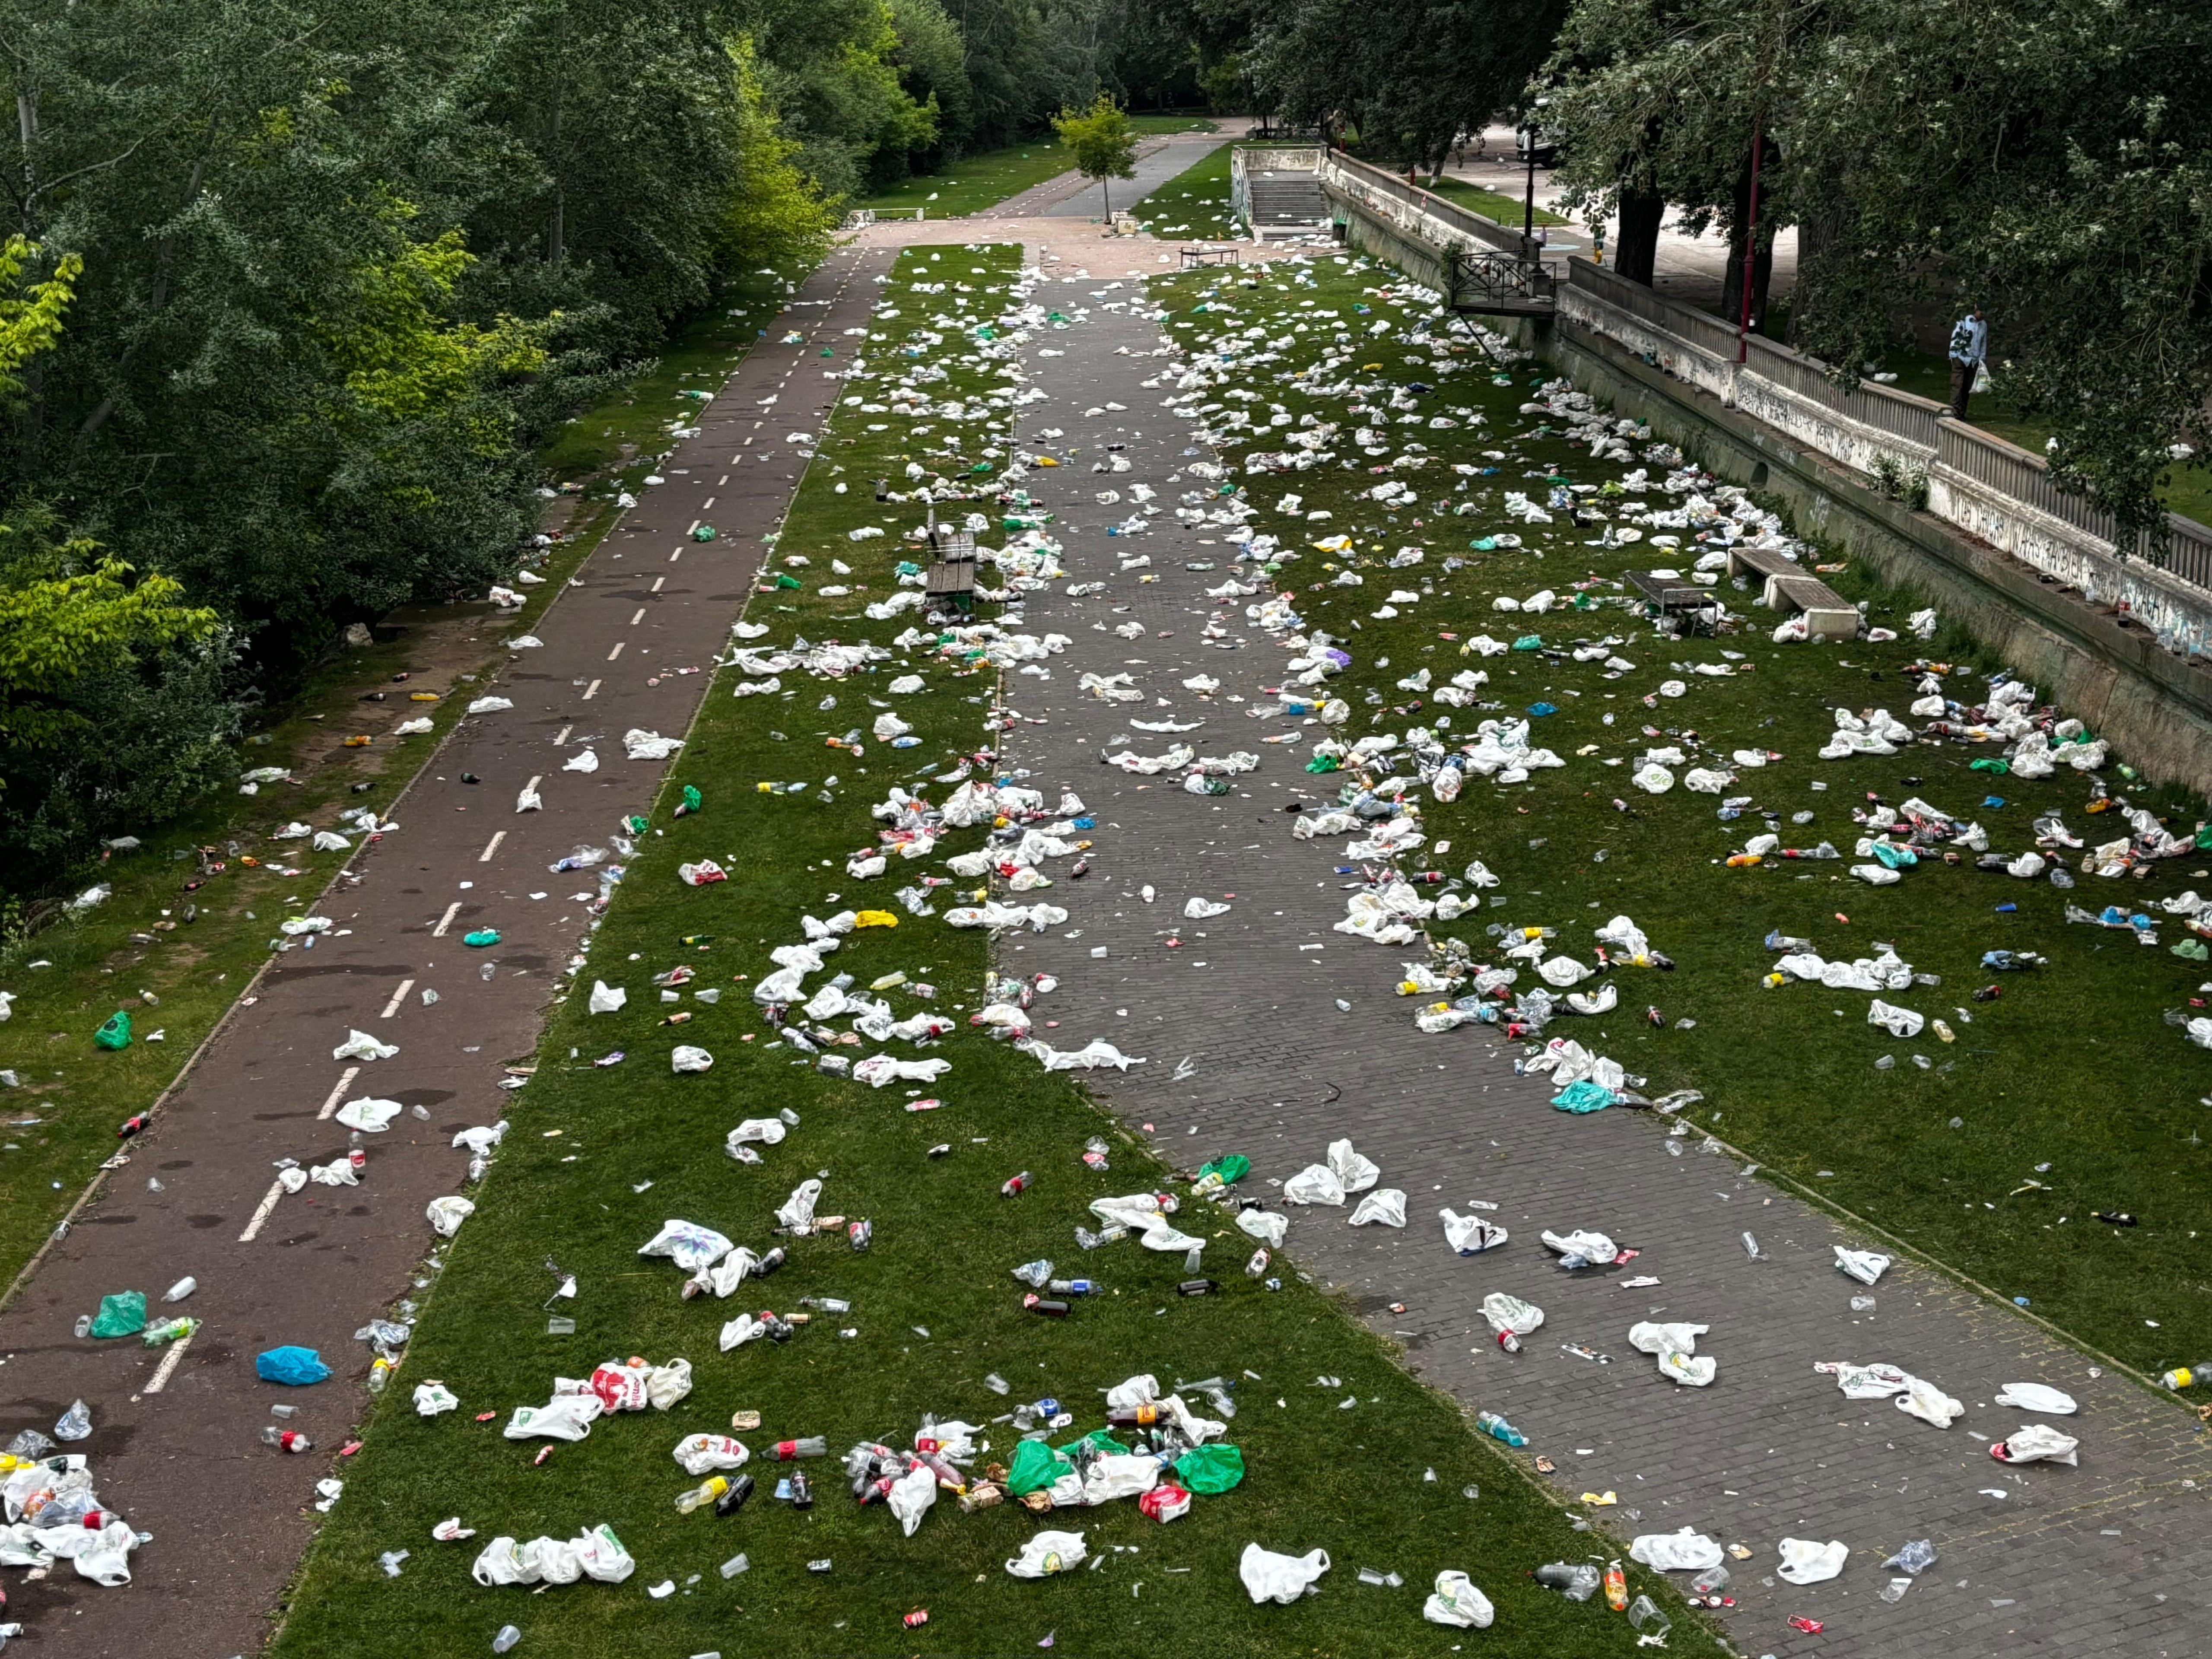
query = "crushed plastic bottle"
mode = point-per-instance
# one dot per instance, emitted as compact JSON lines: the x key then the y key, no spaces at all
{"x":1576,"y":1580}
{"x":76,"y":1423}
{"x":1388,"y":1580}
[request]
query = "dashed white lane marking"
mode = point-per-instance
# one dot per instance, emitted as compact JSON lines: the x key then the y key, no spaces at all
{"x":344,"y":1083}
{"x":398,"y":997}
{"x":453,"y":909}
{"x":484,"y":857}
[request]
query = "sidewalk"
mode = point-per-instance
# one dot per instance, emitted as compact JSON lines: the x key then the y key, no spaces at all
{"x":2104,"y":1561}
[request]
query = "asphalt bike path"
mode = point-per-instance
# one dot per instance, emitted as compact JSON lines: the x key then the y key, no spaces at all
{"x":176,"y":1439}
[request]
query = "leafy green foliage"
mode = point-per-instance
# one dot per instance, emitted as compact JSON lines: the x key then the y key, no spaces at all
{"x":2052,"y":162}
{"x":1100,"y":138}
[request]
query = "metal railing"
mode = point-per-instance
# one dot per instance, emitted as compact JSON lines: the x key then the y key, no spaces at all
{"x":1895,"y":428}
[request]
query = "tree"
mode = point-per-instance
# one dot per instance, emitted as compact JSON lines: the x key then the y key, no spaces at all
{"x":1101,"y":141}
{"x":2050,"y":161}
{"x":1410,"y":75}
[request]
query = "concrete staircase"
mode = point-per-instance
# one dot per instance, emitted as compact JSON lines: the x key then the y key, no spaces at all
{"x":1285,"y":201}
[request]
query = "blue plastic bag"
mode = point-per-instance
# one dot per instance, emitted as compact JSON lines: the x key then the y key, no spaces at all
{"x":295,"y":1366}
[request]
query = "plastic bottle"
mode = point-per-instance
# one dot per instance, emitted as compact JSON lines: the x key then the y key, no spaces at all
{"x":1257,"y":1266}
{"x":1020,"y":1183}
{"x":1577,"y":1581}
{"x":1074,"y":1286}
{"x":505,"y":1641}
{"x":1496,"y":1426}
{"x":1110,"y":1234}
{"x":1616,"y":1587}
{"x":826,"y":1304}
{"x":2177,"y":1379}
{"x":169,"y":1330}
{"x":802,"y":1492}
{"x":701,"y":1495}
{"x":1048,"y":1307}
{"x":84,"y":1325}
{"x":183,"y":1288}
{"x":733,"y":1498}
{"x":290,"y":1440}
{"x":379,"y":1373}
{"x":785,"y":1451}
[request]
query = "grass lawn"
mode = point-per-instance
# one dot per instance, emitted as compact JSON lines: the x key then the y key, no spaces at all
{"x":600,"y":1155}
{"x":1193,"y":204}
{"x":58,"y":1127}
{"x":2068,"y":1096}
{"x":989,"y":176}
{"x":1508,"y":210}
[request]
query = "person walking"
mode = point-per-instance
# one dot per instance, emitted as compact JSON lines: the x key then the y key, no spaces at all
{"x":1970,"y":344}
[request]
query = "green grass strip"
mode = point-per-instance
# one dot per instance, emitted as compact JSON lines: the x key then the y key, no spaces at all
{"x":598,"y":1157}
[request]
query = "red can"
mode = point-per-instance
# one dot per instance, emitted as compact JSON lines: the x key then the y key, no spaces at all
{"x":1810,"y":1627}
{"x":917,"y":1618}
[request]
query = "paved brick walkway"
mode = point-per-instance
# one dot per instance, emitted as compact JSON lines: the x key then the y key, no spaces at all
{"x":2108,"y":1558}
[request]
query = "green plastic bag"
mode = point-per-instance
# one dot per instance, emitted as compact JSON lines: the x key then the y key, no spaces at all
{"x":123,"y":1314}
{"x":1997,"y":768}
{"x":704,"y":532}
{"x":1035,"y":1466}
{"x":481,"y":937}
{"x":1583,"y":1096}
{"x":1231,"y":1169}
{"x":115,"y":1034}
{"x":1529,"y":642}
{"x":693,"y":801}
{"x":1210,"y":1470}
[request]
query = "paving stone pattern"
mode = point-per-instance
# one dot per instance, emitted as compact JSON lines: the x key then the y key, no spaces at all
{"x":2108,"y":1558}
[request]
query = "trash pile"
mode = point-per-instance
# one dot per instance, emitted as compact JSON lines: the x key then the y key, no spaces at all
{"x":53,"y":1512}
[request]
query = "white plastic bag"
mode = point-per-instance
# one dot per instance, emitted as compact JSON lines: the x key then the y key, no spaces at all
{"x":1804,"y":1562}
{"x":1864,"y":1266}
{"x":359,"y":1045}
{"x":1315,"y":1184}
{"x":1279,"y":1578}
{"x":447,"y":1214}
{"x":1385,"y":1204}
{"x":690,"y":1245}
{"x":1455,"y":1602}
{"x":913,"y":1492}
{"x":1898,"y":1022}
{"x":606,"y":998}
{"x":367,"y":1115}
{"x":1686,"y":1551}
{"x":686,"y":1057}
{"x":1268,"y":1226}
{"x":564,"y":1416}
{"x":2037,"y":1397}
{"x":1045,"y":1553}
{"x":1355,"y":1172}
{"x":431,"y":1399}
{"x":797,"y":1211}
{"x":1509,"y":1313}
{"x":2037,"y":1443}
{"x":1923,"y":1400}
{"x":1470,"y":1235}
